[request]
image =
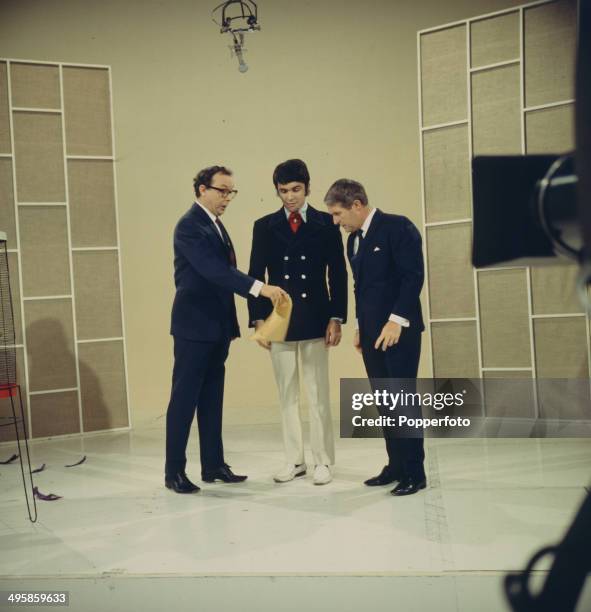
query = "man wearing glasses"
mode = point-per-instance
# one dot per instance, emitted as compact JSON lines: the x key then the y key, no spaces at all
{"x":203,"y":324}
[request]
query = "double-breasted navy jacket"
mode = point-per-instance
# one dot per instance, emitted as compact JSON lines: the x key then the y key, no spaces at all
{"x":309,"y":265}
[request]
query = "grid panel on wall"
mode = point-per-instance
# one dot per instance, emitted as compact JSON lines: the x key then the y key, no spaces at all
{"x":509,"y":105}
{"x":58,"y":205}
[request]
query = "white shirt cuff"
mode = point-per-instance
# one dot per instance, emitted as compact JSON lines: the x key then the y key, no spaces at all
{"x":400,"y":320}
{"x":256,"y":288}
{"x":336,"y":319}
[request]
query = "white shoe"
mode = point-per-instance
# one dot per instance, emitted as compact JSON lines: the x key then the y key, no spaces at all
{"x":322,"y":475}
{"x":289,"y":472}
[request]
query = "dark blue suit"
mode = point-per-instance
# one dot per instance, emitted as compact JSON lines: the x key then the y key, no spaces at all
{"x":388,"y":271}
{"x":203,"y":324}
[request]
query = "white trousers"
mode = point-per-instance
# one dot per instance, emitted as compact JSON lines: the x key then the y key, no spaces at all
{"x":314,"y":364}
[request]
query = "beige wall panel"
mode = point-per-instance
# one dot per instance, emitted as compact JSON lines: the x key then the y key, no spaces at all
{"x":44,"y":250}
{"x":102,"y":380}
{"x":50,"y":344}
{"x":451,"y":278}
{"x":8,"y":432}
{"x":55,"y":414}
{"x":554,"y":290}
{"x":550,"y":130}
{"x":504,"y":319}
{"x":39,"y":157}
{"x":7,"y":223}
{"x":98,"y":304}
{"x":15,"y":290}
{"x":455,"y":350}
{"x":92,"y":203}
{"x":550,"y":35}
{"x":443,"y":76}
{"x":35,"y":86}
{"x":561,"y":348}
{"x":4,"y":111}
{"x":447,"y":174}
{"x":520,"y":398}
{"x":496,"y":111}
{"x":494,"y":40}
{"x":88,"y":111}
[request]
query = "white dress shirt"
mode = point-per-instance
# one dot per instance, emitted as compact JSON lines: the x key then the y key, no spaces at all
{"x":364,"y":228}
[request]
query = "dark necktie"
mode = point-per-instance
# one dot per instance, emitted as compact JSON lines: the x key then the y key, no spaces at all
{"x":295,"y":221}
{"x":227,"y":242}
{"x":359,"y":236}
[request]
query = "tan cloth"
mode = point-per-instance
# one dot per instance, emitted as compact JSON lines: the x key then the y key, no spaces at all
{"x":274,"y":328}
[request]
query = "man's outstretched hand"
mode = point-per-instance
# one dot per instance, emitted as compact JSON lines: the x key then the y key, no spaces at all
{"x":275,"y":294}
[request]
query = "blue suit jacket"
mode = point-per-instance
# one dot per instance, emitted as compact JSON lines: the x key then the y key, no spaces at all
{"x":204,"y":308}
{"x":388,"y":271}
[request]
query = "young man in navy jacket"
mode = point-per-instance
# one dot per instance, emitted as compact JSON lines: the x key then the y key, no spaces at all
{"x":301,"y":250}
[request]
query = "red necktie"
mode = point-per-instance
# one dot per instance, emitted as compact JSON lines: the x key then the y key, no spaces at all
{"x":295,"y":221}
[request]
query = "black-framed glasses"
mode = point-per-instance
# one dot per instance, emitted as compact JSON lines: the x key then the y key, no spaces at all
{"x":226,"y":193}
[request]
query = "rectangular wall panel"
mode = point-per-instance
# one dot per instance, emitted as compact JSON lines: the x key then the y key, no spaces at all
{"x":98,"y":304}
{"x":92,"y":203}
{"x":550,"y":130}
{"x":55,"y":414}
{"x":496,"y":111}
{"x":4,"y":111}
{"x":561,"y":347}
{"x":88,"y":111}
{"x":15,"y":290}
{"x":50,"y":344}
{"x":554,"y":290}
{"x":35,"y":86}
{"x":550,"y":35}
{"x":455,"y":350}
{"x":562,"y":353}
{"x":504,"y":319}
{"x":7,"y":222}
{"x":443,"y":76}
{"x":494,"y":40}
{"x":8,"y":432}
{"x":102,"y":380}
{"x":520,"y":398}
{"x":39,"y":157}
{"x":44,"y":251}
{"x":451,"y":278}
{"x":447,"y":174}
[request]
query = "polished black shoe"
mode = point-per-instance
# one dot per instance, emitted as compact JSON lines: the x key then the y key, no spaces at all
{"x":385,"y":477}
{"x":409,"y":486}
{"x":223,"y":473}
{"x":179,"y":483}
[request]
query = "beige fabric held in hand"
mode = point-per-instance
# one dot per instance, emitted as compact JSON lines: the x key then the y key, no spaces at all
{"x":274,"y":328}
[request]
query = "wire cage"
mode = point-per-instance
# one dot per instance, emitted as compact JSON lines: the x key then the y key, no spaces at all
{"x":10,"y":391}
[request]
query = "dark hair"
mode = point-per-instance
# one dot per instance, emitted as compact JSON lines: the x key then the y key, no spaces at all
{"x":204,"y":176}
{"x":291,"y":170}
{"x":345,"y":192}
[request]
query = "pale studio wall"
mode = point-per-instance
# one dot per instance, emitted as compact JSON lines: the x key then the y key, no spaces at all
{"x":332,"y":82}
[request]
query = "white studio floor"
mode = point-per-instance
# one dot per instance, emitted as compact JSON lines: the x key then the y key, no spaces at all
{"x":119,"y":537}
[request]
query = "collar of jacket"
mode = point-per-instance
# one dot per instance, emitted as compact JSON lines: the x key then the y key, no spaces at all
{"x":312,"y":216}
